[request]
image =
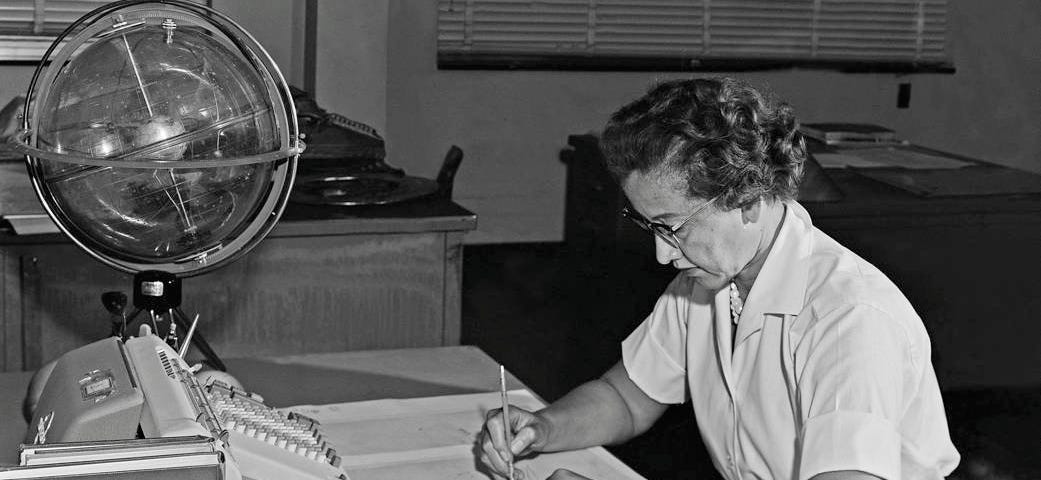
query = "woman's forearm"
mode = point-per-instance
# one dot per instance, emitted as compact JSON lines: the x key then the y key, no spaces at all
{"x":605,"y":411}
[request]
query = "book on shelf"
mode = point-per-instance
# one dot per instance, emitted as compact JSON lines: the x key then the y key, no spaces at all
{"x":849,"y":133}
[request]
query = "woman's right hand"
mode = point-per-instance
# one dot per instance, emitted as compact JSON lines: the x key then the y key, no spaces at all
{"x":529,"y":435}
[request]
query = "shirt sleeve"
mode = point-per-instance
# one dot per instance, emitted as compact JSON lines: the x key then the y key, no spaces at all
{"x":654,"y":354}
{"x":856,"y":368}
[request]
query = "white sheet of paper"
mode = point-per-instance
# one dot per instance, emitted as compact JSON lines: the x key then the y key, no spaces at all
{"x":434,"y":437}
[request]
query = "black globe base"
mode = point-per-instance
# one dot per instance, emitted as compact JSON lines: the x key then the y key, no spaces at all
{"x":159,"y":293}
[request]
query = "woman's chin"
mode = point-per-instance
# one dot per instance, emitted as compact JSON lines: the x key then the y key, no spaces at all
{"x":708,"y":280}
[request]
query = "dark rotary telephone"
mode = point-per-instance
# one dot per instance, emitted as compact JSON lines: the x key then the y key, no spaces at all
{"x":344,"y":163}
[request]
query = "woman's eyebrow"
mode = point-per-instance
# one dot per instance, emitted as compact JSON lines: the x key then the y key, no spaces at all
{"x":662,"y":217}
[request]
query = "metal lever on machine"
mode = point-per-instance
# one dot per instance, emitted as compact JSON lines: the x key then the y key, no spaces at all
{"x":116,"y":304}
{"x":198,"y":341}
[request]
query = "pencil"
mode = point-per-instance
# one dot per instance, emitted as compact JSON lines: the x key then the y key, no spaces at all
{"x":188,"y":337}
{"x":506,"y":418}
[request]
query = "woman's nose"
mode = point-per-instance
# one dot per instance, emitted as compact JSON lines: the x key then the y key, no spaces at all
{"x":664,"y":252}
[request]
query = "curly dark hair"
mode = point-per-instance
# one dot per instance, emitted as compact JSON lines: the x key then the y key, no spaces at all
{"x":720,"y":134}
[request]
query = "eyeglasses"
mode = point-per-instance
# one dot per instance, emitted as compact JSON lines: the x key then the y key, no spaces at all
{"x":663,"y":231}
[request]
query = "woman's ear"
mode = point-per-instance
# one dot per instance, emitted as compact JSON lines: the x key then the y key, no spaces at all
{"x":751,"y":211}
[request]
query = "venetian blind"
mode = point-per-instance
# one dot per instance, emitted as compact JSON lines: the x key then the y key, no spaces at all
{"x":42,"y":17}
{"x":911,"y":31}
{"x":27,"y":27}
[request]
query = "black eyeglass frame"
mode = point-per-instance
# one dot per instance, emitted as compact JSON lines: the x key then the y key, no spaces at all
{"x":663,"y":231}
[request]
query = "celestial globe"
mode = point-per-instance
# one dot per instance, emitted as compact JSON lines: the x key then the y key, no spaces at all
{"x":160,"y":136}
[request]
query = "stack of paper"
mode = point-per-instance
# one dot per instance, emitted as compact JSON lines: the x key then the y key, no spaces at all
{"x":887,"y":157}
{"x":849,"y":133}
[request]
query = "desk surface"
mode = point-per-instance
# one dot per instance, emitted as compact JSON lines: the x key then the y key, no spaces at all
{"x":317,"y":379}
{"x":866,"y":197}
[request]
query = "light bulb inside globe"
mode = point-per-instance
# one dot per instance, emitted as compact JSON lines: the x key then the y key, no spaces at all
{"x":105,"y":146}
{"x":157,"y":129}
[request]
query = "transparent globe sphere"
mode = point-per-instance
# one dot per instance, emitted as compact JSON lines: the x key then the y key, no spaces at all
{"x":162,"y":138}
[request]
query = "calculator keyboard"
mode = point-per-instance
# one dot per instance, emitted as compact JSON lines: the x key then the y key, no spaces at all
{"x":269,"y":443}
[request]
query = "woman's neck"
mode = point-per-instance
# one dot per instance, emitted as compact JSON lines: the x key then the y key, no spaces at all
{"x":771,"y":217}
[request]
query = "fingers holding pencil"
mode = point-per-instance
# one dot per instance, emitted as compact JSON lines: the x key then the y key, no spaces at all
{"x":494,"y":449}
{"x":508,"y":433}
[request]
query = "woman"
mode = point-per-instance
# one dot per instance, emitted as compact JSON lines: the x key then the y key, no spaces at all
{"x":801,"y":360}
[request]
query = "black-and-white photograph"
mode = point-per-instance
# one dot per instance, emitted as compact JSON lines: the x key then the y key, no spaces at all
{"x":520,"y":239}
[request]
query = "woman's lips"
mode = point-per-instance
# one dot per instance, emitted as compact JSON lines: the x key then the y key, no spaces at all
{"x":689,"y":271}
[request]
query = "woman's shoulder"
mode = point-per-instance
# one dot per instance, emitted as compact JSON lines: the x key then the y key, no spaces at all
{"x":840,"y":279}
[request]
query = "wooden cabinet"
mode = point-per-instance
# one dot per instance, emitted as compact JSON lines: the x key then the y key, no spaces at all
{"x":324,"y":280}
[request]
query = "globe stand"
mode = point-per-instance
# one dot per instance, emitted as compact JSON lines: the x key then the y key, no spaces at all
{"x":158,"y":291}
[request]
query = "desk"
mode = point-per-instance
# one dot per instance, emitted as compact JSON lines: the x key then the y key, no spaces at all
{"x":967,"y":264}
{"x":317,"y":379}
{"x":325,"y":279}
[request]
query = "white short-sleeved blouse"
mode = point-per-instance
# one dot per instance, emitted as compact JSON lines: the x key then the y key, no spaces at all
{"x":829,"y":370}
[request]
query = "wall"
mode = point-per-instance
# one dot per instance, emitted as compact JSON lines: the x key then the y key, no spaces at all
{"x":351,"y":75}
{"x":512,"y":124}
{"x":278,"y":26}
{"x":991,"y":108}
{"x":14,"y":81}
